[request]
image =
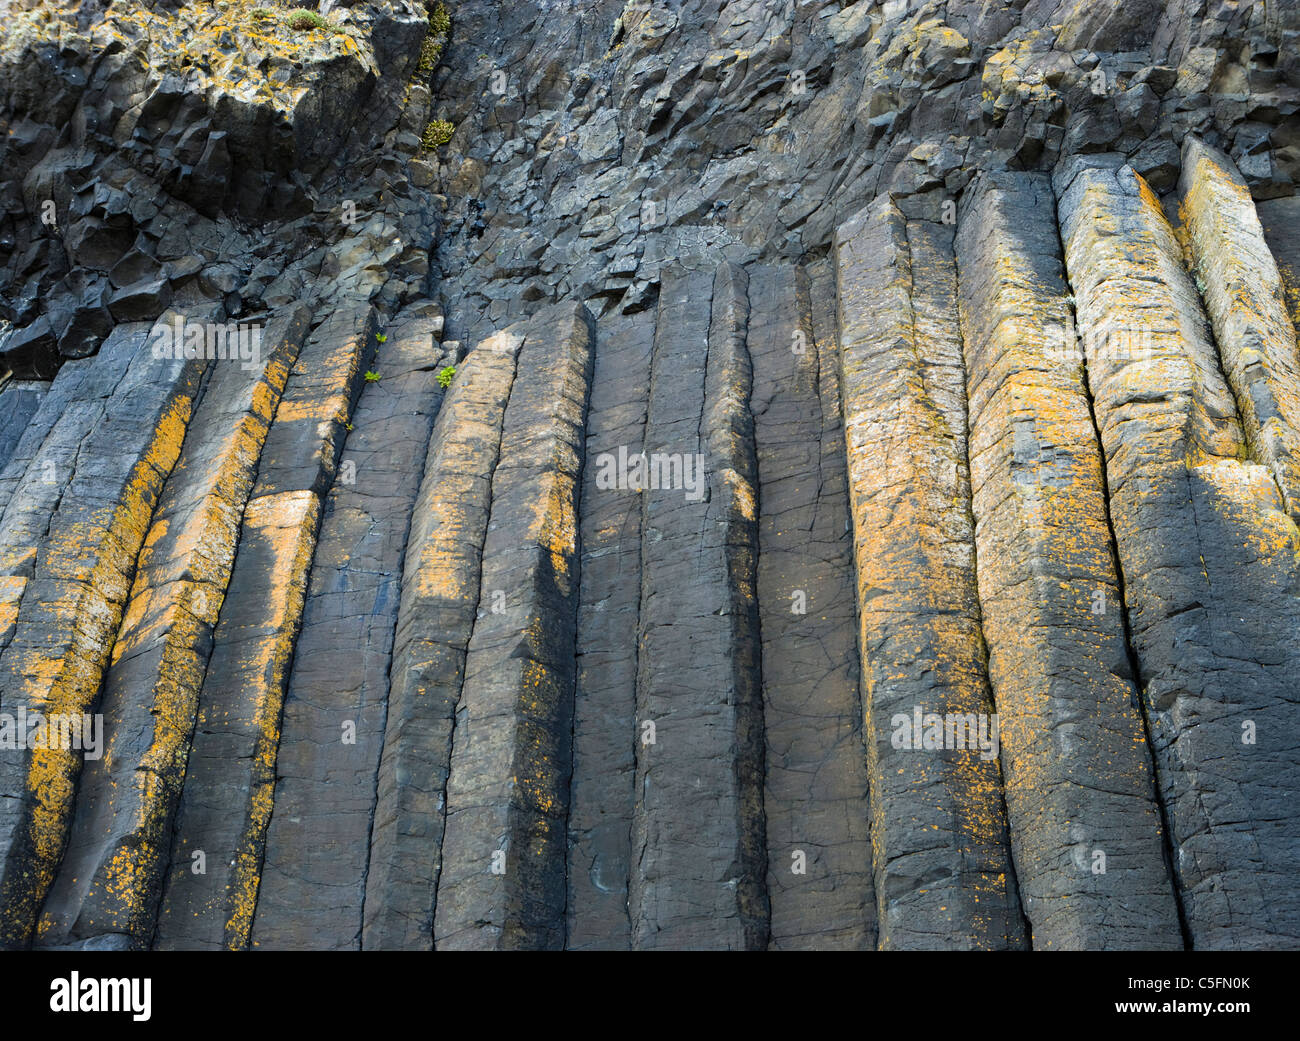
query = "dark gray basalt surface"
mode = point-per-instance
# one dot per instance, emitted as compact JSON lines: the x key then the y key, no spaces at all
{"x":975,"y":626}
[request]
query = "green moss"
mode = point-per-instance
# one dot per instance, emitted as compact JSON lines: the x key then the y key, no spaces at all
{"x":439,"y":21}
{"x":430,"y":52}
{"x":302,"y":20}
{"x":431,"y":48}
{"x":437,"y":133}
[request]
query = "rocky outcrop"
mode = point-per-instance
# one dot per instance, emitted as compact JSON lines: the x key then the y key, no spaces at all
{"x":742,"y":475}
{"x":943,"y":871}
{"x":1079,"y":786}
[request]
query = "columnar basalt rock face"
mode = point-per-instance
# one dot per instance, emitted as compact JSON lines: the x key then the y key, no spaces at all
{"x":1085,"y":824}
{"x":312,"y":888}
{"x":1209,"y":555}
{"x":942,"y":864}
{"x":73,"y":573}
{"x":735,"y":475}
{"x":1244,"y":300}
{"x":502,"y":878}
{"x":440,"y":593}
{"x":126,"y":799}
{"x":697,"y":829}
{"x":816,"y":777}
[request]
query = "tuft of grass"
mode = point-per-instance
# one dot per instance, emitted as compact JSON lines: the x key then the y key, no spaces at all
{"x":446,"y":376}
{"x":302,"y":20}
{"x":431,"y":48}
{"x":437,"y":133}
{"x":430,"y":52}
{"x":439,"y":21}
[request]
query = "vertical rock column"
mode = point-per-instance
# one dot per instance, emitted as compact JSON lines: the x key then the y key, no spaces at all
{"x":318,"y":841}
{"x":942,"y":864}
{"x":107,"y":887}
{"x":604,"y":726}
{"x":19,"y":402}
{"x":44,"y":461}
{"x":1210,"y":559}
{"x":71,"y":556}
{"x":1247,"y":307}
{"x":1279,"y":218}
{"x":440,"y":597}
{"x":815,"y":795}
{"x":210,"y":889}
{"x":502,"y":882}
{"x":697,"y":836}
{"x":1085,"y":826}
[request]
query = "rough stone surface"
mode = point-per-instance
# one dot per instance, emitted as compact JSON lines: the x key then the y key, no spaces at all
{"x":940,"y":852}
{"x":697,"y":829}
{"x":815,"y":795}
{"x":313,"y":878}
{"x":1209,"y":556}
{"x":1085,"y":826}
{"x":126,"y":800}
{"x":439,"y":602}
{"x":979,"y":318}
{"x":502,"y":879}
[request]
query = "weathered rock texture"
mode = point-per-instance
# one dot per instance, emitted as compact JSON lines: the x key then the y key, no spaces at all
{"x":735,"y":474}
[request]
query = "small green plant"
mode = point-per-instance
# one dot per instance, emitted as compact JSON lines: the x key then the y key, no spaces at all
{"x":261,"y":12}
{"x":430,"y":52}
{"x":431,"y":48}
{"x":381,"y":337}
{"x":437,"y":133}
{"x":373,"y":377}
{"x":439,"y":21}
{"x":302,"y":20}
{"x":446,"y":376}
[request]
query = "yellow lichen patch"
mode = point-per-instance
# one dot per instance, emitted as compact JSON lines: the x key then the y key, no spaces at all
{"x":64,"y":677}
{"x":742,"y":495}
{"x":918,"y":47}
{"x":11,"y":595}
{"x":288,"y":522}
{"x":226,"y":51}
{"x":206,"y":551}
{"x":919,"y":639}
{"x":1243,"y":294}
{"x":555,"y":524}
{"x":1016,"y":75}
{"x":462,"y":454}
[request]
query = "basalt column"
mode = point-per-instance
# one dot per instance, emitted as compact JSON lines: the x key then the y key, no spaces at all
{"x":1085,"y":826}
{"x":502,"y":881}
{"x":942,"y":863}
{"x":1210,"y":558}
{"x":697,"y":835}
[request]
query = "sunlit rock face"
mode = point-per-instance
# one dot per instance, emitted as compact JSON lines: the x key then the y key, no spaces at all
{"x":757,"y":474}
